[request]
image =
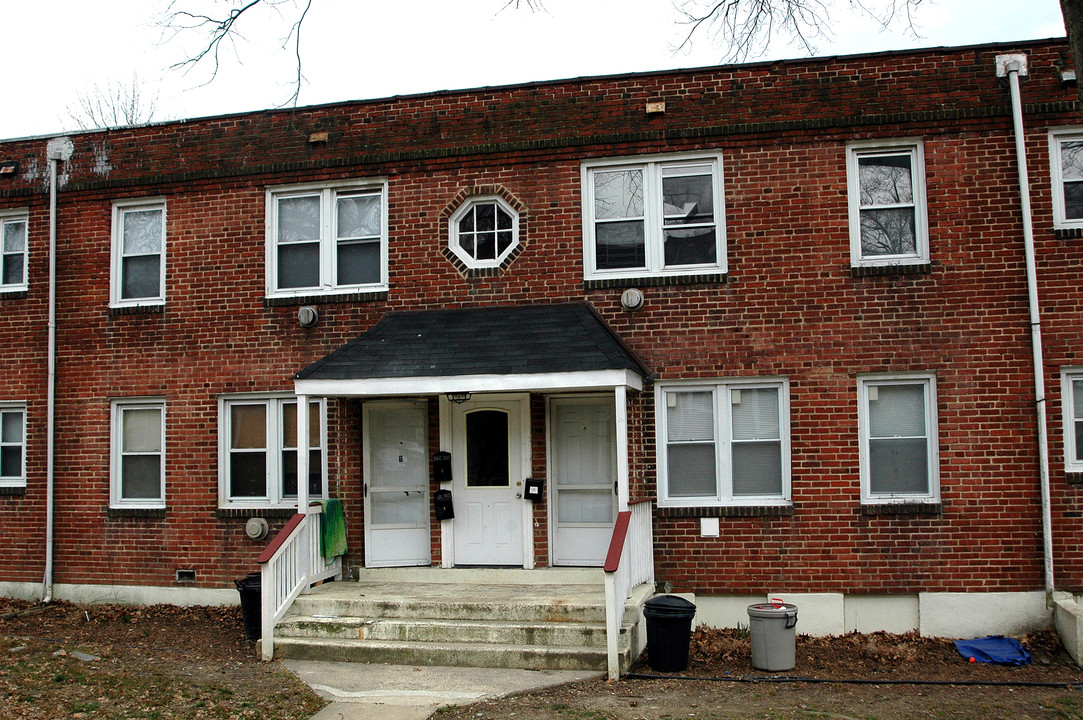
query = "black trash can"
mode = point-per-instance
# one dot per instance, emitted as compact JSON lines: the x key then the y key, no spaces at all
{"x":669,"y":632}
{"x":251,"y":605}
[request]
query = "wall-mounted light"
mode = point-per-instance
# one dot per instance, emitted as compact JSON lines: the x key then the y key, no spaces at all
{"x":458,"y":397}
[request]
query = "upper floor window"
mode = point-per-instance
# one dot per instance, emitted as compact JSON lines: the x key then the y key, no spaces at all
{"x":1072,"y":402}
{"x":724,"y":443}
{"x":899,"y":453}
{"x":138,"y":252}
{"x":886,"y":183}
{"x":483,"y":232}
{"x":258,"y":455}
{"x":138,"y":457}
{"x":12,"y":445}
{"x":661,"y":217}
{"x":327,"y":238}
{"x":1066,"y":169}
{"x":13,"y":252}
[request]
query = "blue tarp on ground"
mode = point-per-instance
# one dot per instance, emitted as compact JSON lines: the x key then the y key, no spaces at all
{"x":994,"y":649}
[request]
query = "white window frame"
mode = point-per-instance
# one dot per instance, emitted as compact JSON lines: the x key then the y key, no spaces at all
{"x":928,"y":382}
{"x":1058,"y":136}
{"x":915,"y":149}
{"x":722,"y":392}
{"x":328,"y":192}
{"x":468,"y":206}
{"x":116,"y":499}
{"x":653,"y":167}
{"x":120,"y":208}
{"x":274,"y":496}
{"x":20,"y":481}
{"x":1067,"y":395}
{"x":8,"y":217}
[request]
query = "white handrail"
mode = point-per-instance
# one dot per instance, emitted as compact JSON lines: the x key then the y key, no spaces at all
{"x":290,"y":566}
{"x":629,"y":564}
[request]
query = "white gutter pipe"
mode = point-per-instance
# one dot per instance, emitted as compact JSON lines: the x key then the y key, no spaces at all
{"x":58,"y":149}
{"x":1012,"y":66}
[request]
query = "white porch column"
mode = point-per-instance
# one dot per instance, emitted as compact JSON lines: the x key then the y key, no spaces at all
{"x":302,"y":454}
{"x":621,"y":399}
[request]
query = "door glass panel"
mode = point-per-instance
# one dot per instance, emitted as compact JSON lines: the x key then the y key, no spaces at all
{"x":487,"y":449}
{"x":398,"y":507}
{"x":585,"y":506}
{"x":397,"y":443}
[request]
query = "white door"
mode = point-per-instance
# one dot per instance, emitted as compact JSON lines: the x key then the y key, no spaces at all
{"x":396,"y":466}
{"x":489,"y":446}
{"x":583,"y":472}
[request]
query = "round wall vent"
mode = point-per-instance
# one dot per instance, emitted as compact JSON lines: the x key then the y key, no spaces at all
{"x":631,"y":299}
{"x":256,"y":528}
{"x":308,"y":315}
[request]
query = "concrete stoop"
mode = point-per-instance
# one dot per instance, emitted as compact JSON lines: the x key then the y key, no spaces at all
{"x":484,"y":619}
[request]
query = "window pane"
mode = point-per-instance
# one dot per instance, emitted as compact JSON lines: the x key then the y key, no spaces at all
{"x":1071,"y":160}
{"x":12,"y":431}
{"x":687,"y":199}
{"x":503,"y":241}
{"x":898,"y":466}
{"x":1077,"y":399}
{"x":620,"y":245}
{"x":486,"y":248}
{"x":248,"y":474}
{"x":299,"y":265}
{"x":757,"y":468}
{"x":142,"y":430}
{"x":755,"y":413}
{"x":898,"y":411}
{"x":503,"y":219}
{"x":585,"y":506}
{"x":885,"y":180}
{"x":11,"y":461}
{"x":299,"y":218}
{"x":141,"y":477}
{"x":13,"y":269}
{"x":248,"y":426}
{"x":1073,"y":200}
{"x":1079,"y":440}
{"x":690,"y":471}
{"x":289,"y":473}
{"x":289,"y":425}
{"x":14,"y":237}
{"x":694,"y":246}
{"x":487,"y":449}
{"x":142,"y":231}
{"x":618,"y":194}
{"x":486,"y":216}
{"x":888,"y":232}
{"x":358,"y":263}
{"x":142,"y":277}
{"x":359,"y":216}
{"x":466,"y":225}
{"x":689,"y":416}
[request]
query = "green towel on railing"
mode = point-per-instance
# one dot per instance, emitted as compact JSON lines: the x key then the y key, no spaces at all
{"x":332,"y":529}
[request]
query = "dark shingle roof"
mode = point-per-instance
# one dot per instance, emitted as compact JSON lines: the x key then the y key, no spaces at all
{"x":515,"y":340}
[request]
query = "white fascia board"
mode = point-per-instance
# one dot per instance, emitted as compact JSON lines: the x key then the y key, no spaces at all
{"x":548,"y":382}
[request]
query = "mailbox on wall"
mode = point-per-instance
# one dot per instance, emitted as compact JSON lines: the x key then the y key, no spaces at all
{"x":445,"y":510}
{"x":441,"y":467}
{"x":534,"y":489}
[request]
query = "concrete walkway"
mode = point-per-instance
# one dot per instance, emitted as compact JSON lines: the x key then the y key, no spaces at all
{"x":362,"y":691}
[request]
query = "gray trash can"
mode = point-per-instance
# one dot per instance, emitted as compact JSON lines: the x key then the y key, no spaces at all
{"x":771,"y":630}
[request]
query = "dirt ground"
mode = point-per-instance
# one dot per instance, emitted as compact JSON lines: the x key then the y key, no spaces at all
{"x":166,"y":663}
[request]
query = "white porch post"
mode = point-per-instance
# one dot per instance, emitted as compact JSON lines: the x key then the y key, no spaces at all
{"x":621,"y":399}
{"x":302,"y":454}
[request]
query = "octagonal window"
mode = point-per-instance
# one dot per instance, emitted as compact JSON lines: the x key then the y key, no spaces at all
{"x":483,"y":232}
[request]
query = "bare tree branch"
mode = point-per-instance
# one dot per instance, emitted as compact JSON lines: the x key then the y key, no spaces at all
{"x":115,"y":104}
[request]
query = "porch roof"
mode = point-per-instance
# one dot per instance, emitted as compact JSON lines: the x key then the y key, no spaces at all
{"x":483,"y":349}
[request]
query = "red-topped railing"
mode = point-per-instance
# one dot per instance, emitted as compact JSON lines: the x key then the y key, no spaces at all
{"x":629,"y":563}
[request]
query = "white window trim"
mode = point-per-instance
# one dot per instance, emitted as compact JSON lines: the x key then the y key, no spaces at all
{"x":116,"y":454}
{"x":327,"y":192}
{"x":453,"y":231}
{"x":652,"y":171}
{"x":17,"y":215}
{"x":117,"y":279}
{"x":274,"y":497}
{"x":19,"y":482}
{"x":1056,"y":137}
{"x":1067,"y":375}
{"x":916,"y":148}
{"x":723,"y":472}
{"x":928,"y":380}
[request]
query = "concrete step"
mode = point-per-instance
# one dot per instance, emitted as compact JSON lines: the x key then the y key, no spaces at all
{"x":484,"y":576}
{"x":501,"y":632}
{"x":444,"y":654}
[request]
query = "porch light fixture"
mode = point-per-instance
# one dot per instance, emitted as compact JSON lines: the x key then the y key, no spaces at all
{"x":458,"y":397}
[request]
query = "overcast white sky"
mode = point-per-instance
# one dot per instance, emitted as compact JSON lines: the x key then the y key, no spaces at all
{"x":55,"y":49}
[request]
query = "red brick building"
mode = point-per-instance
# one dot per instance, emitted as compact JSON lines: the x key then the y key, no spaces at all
{"x":786,"y":302}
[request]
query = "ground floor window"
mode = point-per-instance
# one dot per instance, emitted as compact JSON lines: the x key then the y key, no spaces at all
{"x":12,"y":445}
{"x":725,"y":442}
{"x":1072,"y":401}
{"x":138,"y":453}
{"x":258,"y":450}
{"x":897,"y":426}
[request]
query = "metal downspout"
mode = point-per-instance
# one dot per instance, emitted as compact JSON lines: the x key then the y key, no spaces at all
{"x":58,"y":149}
{"x":1011,"y":66}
